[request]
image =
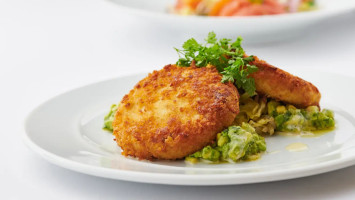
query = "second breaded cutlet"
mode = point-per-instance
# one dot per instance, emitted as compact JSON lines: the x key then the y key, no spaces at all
{"x":283,"y":86}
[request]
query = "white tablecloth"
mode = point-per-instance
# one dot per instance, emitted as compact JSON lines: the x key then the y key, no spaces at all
{"x":50,"y":46}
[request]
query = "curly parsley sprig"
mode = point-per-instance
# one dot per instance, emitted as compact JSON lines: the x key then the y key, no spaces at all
{"x":227,"y":56}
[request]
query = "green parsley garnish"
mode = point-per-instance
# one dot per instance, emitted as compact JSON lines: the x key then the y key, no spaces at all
{"x":227,"y":56}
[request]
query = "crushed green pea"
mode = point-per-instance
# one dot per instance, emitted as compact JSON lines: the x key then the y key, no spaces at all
{"x":233,"y":144}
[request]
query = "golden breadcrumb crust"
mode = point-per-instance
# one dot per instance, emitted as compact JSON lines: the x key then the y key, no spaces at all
{"x":281,"y":85}
{"x":174,"y":112}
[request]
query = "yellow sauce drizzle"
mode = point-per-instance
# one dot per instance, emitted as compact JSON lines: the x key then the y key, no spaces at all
{"x":294,"y":147}
{"x":308,"y":134}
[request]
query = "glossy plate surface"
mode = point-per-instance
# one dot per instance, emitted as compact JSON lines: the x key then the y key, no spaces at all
{"x":254,"y":29}
{"x":67,"y":131}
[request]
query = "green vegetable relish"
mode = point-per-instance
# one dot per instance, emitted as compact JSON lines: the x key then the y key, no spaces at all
{"x":268,"y":116}
{"x":110,"y":117}
{"x":259,"y":115}
{"x":233,"y":144}
{"x":289,"y":118}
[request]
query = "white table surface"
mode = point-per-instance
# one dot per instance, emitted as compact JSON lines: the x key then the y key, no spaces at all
{"x":50,"y":46}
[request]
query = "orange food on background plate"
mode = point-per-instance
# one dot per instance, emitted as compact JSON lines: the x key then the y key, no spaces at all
{"x":241,"y":7}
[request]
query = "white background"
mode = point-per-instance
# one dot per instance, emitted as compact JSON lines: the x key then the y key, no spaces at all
{"x":50,"y":46}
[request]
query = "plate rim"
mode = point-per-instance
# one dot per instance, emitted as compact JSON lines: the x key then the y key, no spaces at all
{"x":178,"y":179}
{"x":187,"y":179}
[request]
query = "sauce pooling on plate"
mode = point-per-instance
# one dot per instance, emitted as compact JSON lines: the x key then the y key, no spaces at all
{"x":297,"y":146}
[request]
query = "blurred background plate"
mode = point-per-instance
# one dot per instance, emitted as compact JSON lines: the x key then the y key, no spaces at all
{"x":254,"y":29}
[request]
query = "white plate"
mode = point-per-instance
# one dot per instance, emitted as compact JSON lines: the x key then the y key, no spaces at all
{"x":67,"y":131}
{"x":253,"y":29}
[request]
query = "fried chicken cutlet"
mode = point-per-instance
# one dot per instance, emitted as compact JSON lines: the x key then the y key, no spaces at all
{"x":283,"y":86}
{"x":174,"y":112}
